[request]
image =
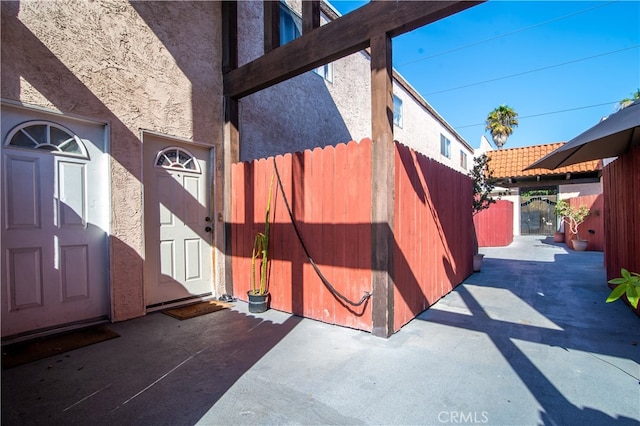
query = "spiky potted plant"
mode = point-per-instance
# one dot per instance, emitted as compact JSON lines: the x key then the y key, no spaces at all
{"x":258,"y":295}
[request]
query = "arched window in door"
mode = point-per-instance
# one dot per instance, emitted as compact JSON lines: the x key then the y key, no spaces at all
{"x":177,"y":159}
{"x":46,"y":136}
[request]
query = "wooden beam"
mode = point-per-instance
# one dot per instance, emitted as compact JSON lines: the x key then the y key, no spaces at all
{"x":229,"y":36}
{"x":344,"y":36}
{"x":383,"y":187}
{"x":529,"y":183}
{"x":310,"y":15}
{"x":271,"y":25}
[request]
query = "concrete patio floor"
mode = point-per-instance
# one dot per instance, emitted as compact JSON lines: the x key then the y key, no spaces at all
{"x":527,"y":341}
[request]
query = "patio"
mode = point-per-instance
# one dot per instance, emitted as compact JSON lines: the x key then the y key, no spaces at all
{"x":529,"y":340}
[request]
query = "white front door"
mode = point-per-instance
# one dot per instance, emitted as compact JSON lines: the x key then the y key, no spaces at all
{"x":178,"y":227}
{"x":54,"y":222}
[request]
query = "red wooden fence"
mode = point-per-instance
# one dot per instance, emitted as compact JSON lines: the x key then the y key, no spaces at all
{"x":593,"y":222}
{"x":621,"y":188}
{"x":434,"y":239}
{"x":494,"y":226}
{"x":329,"y":191}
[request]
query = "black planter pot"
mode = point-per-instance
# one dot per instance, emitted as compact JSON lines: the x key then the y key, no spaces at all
{"x":258,"y":303}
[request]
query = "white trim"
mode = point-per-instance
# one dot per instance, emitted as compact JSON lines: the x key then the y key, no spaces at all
{"x":68,"y":116}
{"x":30,"y":123}
{"x":173,"y":138}
{"x":178,"y":165}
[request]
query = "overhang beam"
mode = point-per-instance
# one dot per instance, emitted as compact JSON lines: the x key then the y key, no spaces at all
{"x":532,"y":183}
{"x":344,"y":36}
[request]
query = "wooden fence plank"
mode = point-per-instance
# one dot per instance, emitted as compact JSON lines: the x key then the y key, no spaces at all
{"x":402,"y":206}
{"x":282,"y":233}
{"x":298,"y":258}
{"x":313,"y":220}
{"x":326,"y":191}
{"x":360,"y":155}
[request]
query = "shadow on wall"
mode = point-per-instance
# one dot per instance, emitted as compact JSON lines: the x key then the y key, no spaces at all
{"x":56,"y":85}
{"x":292,"y":116}
{"x":60,"y":86}
{"x":195,"y":59}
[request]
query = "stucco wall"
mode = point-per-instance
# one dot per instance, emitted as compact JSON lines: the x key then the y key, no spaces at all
{"x":303,"y":112}
{"x":308,"y":111}
{"x":421,"y":132}
{"x":579,"y":190}
{"x":515,"y":199}
{"x":145,"y":65}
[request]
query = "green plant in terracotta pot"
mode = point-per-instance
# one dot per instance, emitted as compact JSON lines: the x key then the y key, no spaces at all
{"x":573,"y":217}
{"x":259,"y":297}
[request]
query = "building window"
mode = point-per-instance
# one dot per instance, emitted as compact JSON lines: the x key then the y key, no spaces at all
{"x":46,"y":136}
{"x":463,"y":159}
{"x":445,"y":146}
{"x":397,"y":111}
{"x":325,"y":71}
{"x":290,"y":24}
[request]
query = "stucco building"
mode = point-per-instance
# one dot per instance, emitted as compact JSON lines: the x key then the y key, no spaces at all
{"x":112,"y":150}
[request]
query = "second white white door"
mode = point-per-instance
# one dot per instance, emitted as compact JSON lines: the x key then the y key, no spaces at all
{"x":178,"y":228}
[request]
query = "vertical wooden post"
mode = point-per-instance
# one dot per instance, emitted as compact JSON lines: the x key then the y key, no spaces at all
{"x":227,"y":152}
{"x":230,"y":154}
{"x":310,"y":15}
{"x":271,"y":24}
{"x":229,"y":36}
{"x":382,"y":176}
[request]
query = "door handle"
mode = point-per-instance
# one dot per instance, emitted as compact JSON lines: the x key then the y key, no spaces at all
{"x":207,"y":229}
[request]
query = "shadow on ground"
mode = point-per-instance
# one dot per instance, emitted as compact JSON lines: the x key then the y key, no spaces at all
{"x":160,"y":371}
{"x":530,"y":310}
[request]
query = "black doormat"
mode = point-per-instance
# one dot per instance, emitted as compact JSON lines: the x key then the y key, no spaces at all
{"x":21,"y":353}
{"x":196,"y":309}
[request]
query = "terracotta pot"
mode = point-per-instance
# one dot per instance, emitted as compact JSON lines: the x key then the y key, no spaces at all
{"x":558,"y":237}
{"x":579,"y":245}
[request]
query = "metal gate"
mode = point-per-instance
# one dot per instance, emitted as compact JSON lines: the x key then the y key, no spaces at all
{"x":537,"y":215}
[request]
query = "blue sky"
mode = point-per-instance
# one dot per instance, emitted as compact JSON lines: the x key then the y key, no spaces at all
{"x":562,"y":65}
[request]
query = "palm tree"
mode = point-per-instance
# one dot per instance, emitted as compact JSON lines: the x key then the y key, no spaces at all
{"x":628,"y":101}
{"x":500,"y":122}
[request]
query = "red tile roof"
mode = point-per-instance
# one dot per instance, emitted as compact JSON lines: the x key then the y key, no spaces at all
{"x":511,"y":162}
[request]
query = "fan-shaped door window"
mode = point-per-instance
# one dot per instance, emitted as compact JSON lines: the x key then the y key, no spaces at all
{"x":177,"y":159}
{"x":46,"y":136}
